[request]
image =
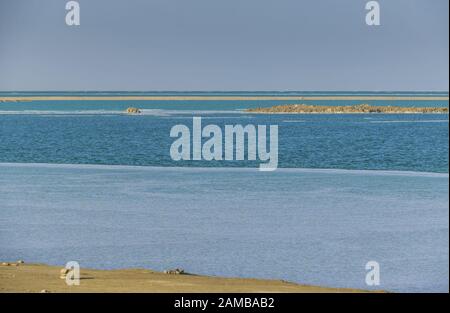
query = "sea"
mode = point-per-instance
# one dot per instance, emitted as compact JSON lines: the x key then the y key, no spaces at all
{"x":82,"y":181}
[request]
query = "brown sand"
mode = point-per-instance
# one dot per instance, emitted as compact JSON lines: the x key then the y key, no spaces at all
{"x":37,"y":277}
{"x":220,"y":98}
{"x":346,"y":109}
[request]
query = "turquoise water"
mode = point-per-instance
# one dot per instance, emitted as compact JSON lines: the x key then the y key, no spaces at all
{"x":90,"y":133}
{"x":36,"y":107}
{"x":80,"y":180}
{"x":223,"y":93}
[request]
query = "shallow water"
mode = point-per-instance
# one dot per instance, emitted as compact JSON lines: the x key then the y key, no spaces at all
{"x":351,"y":189}
{"x":310,"y":226}
{"x":409,"y":142}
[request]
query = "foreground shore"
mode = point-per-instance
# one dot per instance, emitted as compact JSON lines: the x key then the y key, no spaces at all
{"x":44,"y":278}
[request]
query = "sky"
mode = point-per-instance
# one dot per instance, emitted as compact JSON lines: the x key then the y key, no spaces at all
{"x":150,"y":45}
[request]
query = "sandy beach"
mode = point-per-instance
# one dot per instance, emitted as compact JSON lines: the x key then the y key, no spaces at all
{"x":221,"y":98}
{"x":32,"y":278}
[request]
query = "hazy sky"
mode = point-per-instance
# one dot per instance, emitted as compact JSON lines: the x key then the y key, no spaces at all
{"x":224,"y":45}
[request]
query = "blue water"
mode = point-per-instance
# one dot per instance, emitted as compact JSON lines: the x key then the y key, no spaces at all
{"x":310,"y":226}
{"x":389,"y":142}
{"x":223,"y":93}
{"x":351,"y":189}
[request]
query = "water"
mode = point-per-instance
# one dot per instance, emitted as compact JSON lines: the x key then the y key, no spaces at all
{"x":351,"y":188}
{"x":223,"y":93}
{"x":383,"y":142}
{"x":310,"y":226}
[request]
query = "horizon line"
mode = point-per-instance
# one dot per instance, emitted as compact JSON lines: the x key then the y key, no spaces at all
{"x":227,"y":91}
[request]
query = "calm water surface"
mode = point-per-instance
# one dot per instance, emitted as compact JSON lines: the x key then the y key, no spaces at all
{"x":112,"y":197}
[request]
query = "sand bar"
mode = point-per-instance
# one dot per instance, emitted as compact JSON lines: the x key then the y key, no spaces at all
{"x":346,"y":109}
{"x":222,"y":98}
{"x":37,"y":277}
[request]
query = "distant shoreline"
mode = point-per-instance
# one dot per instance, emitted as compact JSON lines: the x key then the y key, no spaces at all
{"x":35,"y":278}
{"x":222,"y":98}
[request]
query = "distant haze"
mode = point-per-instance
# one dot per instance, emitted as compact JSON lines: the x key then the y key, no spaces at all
{"x":224,"y":45}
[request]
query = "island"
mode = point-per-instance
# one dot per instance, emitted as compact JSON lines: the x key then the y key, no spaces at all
{"x":346,"y":109}
{"x":133,"y":111}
